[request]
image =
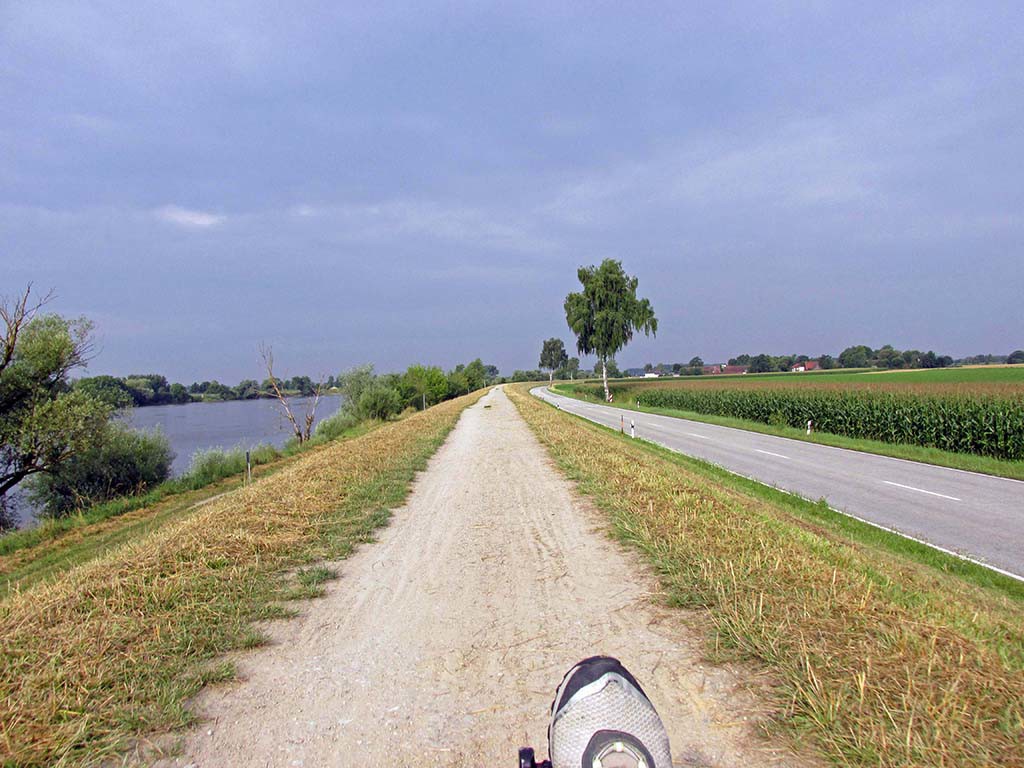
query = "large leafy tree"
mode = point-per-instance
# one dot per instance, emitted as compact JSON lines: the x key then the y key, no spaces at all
{"x":858,"y":356}
{"x":553,"y":356}
{"x":43,"y":420}
{"x":423,"y":385}
{"x":606,"y":313}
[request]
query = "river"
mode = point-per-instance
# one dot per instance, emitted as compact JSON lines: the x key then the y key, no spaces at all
{"x":236,"y":423}
{"x":199,"y":426}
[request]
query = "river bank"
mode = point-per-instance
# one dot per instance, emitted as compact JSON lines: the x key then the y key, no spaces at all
{"x":196,"y":427}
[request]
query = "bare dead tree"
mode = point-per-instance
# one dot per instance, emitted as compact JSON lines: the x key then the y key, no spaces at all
{"x":15,"y":314}
{"x":311,"y":410}
{"x":301,"y":431}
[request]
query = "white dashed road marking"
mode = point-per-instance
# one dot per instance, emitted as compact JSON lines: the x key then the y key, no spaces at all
{"x":921,"y":490}
{"x":769,"y":453}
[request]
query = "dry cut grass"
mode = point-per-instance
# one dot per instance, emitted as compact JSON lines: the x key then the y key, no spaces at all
{"x":110,"y":651}
{"x":882,"y":661}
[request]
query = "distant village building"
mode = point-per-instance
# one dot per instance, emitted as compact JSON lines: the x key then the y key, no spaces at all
{"x":810,"y":365}
{"x":719,"y":368}
{"x":651,"y":375}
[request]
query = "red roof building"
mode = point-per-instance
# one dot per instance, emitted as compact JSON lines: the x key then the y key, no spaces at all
{"x":809,"y":365}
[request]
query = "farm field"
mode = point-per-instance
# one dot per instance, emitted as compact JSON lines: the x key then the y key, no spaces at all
{"x":989,"y":379}
{"x":963,"y":418}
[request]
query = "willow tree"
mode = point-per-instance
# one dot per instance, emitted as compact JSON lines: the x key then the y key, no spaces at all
{"x":44,"y":422}
{"x":606,"y":313}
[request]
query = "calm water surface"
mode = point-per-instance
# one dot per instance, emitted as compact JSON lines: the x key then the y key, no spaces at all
{"x":237,"y":423}
{"x":200,"y":426}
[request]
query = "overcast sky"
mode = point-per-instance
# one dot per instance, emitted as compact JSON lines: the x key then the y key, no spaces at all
{"x":371,"y":182}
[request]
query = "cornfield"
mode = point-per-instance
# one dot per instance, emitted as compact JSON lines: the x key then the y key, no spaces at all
{"x":983,"y":425}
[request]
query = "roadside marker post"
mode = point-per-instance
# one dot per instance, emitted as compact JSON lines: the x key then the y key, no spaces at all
{"x":632,"y":428}
{"x":248,"y":468}
{"x":810,"y":426}
{"x":622,"y":425}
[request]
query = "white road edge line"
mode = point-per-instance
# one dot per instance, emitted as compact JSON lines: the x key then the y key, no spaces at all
{"x":873,"y":524}
{"x":769,"y":453}
{"x":820,"y":445}
{"x":702,"y":437}
{"x":921,"y":490}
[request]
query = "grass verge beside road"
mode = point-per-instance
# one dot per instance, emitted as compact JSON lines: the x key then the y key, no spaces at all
{"x":985,"y":465}
{"x":110,"y":651}
{"x":883,"y":657}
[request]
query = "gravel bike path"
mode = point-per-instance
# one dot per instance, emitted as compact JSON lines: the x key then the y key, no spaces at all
{"x":443,"y":641}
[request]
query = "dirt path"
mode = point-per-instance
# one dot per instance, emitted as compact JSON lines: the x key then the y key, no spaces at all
{"x":443,"y":642}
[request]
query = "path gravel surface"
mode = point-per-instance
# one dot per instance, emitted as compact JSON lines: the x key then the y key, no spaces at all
{"x":442,"y":643}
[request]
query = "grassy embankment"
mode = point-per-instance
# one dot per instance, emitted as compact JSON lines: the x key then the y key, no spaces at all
{"x":110,"y":651}
{"x":211,"y":472}
{"x":885,"y":654}
{"x":1003,"y":385}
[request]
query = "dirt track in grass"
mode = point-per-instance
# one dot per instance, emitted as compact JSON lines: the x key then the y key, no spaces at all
{"x":442,"y":642}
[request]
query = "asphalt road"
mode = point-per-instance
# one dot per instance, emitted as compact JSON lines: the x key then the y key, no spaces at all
{"x":976,"y":516}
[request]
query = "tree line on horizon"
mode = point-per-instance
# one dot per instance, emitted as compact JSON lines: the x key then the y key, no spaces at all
{"x":860,"y":356}
{"x":63,"y":439}
{"x":141,"y":390}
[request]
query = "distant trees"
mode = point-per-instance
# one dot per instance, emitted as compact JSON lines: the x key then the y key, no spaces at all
{"x":247,"y":389}
{"x":464,"y":379}
{"x":108,"y":389}
{"x":367,"y":395}
{"x":572,"y":367}
{"x":179,"y":394}
{"x":855,"y":357}
{"x":1016,"y":357}
{"x":858,"y":356}
{"x":44,"y":421}
{"x":553,"y":356}
{"x":983,"y":360}
{"x":607,"y":312}
{"x":148,"y":389}
{"x":527,"y":375}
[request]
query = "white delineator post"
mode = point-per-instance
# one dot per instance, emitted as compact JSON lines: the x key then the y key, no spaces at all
{"x":632,"y":428}
{"x":810,"y":426}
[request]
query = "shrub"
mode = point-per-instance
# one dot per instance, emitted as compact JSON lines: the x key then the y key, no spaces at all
{"x":124,"y":461}
{"x":379,"y":402}
{"x":336,"y":425}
